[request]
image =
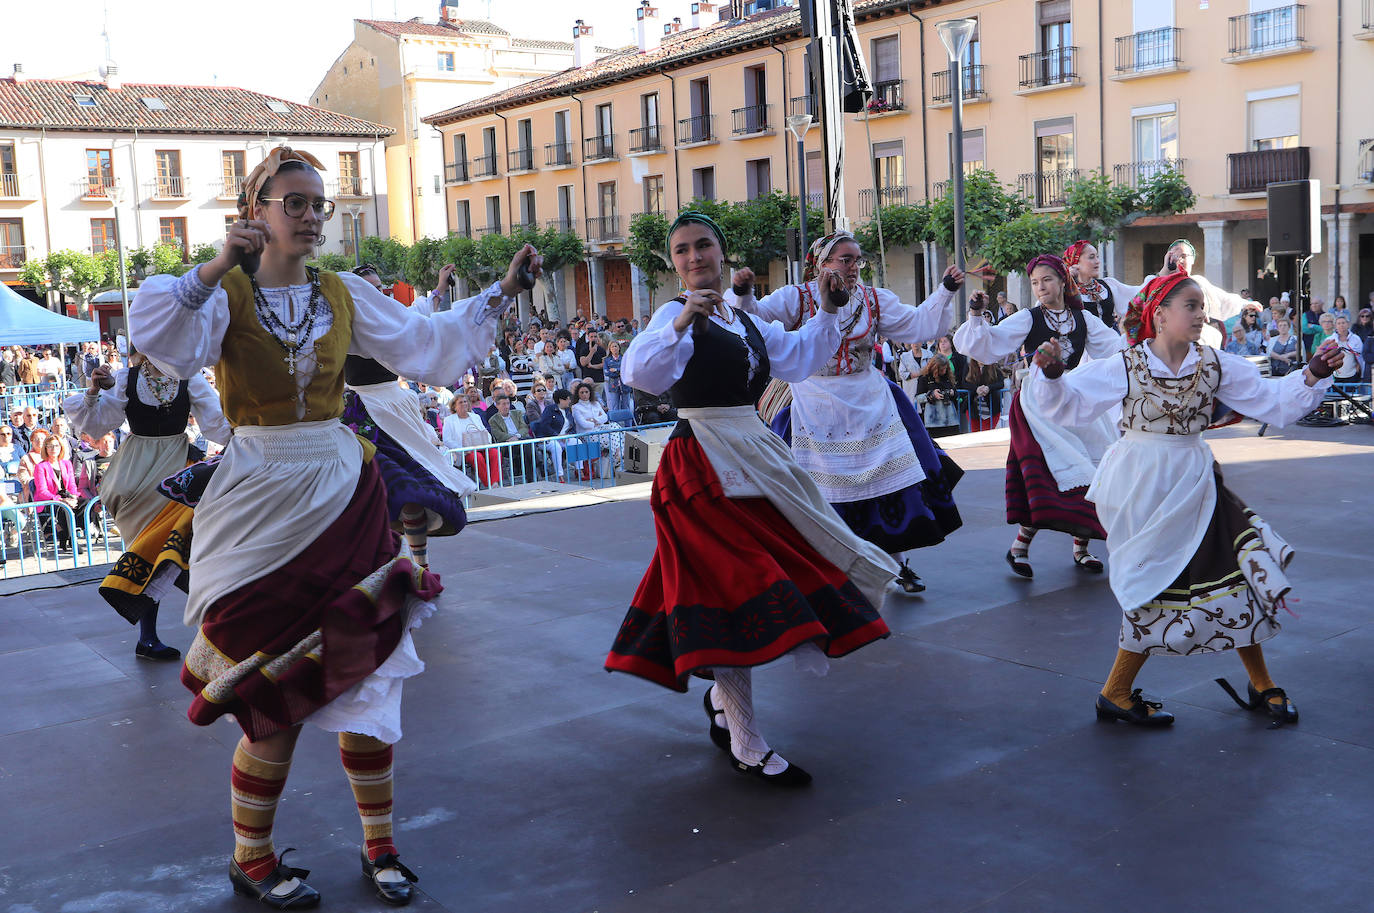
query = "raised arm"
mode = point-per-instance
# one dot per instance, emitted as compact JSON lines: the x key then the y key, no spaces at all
{"x":989,"y":343}
{"x":1278,"y":401}
{"x":784,"y":305}
{"x":178,"y":322}
{"x":101,"y":412}
{"x":657,"y":357}
{"x":795,"y":356}
{"x":1121,"y":294}
{"x":901,"y":322}
{"x":1102,"y":340}
{"x":1077,"y":397}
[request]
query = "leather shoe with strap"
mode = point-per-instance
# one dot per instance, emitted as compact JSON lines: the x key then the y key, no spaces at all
{"x":720,"y":735}
{"x":1282,"y":712}
{"x":301,"y":897}
{"x":1138,"y":714}
{"x":396,"y":893}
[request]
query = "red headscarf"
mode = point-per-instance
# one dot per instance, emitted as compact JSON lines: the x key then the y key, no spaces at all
{"x":1146,"y":303}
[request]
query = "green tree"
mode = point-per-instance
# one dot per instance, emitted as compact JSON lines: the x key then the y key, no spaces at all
{"x":334,"y":263}
{"x":388,"y":255}
{"x":1011,"y":245}
{"x":423,"y":261}
{"x":1166,"y":192}
{"x":646,"y":248}
{"x":73,"y":273}
{"x":987,"y":205}
{"x":559,"y":249}
{"x":167,"y":258}
{"x":203,"y":253}
{"x":758,"y":230}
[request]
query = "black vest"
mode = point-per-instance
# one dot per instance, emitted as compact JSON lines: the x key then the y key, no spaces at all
{"x":359,"y":370}
{"x":718,"y":372}
{"x":1040,"y":333}
{"x":156,"y":421}
{"x":1104,"y":310}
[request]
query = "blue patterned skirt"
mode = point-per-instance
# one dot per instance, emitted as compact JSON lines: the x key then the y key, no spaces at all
{"x":917,"y":516}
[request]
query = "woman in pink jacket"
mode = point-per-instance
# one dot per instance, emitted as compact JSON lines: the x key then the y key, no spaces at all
{"x":54,"y":480}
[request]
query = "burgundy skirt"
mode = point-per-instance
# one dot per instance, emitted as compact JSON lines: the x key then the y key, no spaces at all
{"x":281,"y":647}
{"x":1033,"y":497}
{"x":731,"y":583}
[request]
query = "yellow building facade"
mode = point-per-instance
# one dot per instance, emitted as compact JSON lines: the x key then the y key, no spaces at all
{"x":1236,"y":94}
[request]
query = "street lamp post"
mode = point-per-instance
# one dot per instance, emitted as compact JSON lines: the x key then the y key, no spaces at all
{"x":353,"y":213}
{"x":799,"y":125}
{"x":955,"y":35}
{"x":117,"y":197}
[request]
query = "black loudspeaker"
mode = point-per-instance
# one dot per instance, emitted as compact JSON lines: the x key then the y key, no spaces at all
{"x":1295,"y":218}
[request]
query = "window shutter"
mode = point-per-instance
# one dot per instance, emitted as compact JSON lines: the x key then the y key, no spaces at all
{"x":1052,"y":12}
{"x":887,"y":64}
{"x":1274,"y":117}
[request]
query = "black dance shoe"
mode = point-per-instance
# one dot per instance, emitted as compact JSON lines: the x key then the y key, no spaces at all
{"x":791,"y":776}
{"x":1020,"y":566}
{"x":720,"y":736}
{"x":156,"y":652}
{"x":1086,"y":562}
{"x":909,"y":581}
{"x":1279,"y":714}
{"x":303,"y":897}
{"x":1138,"y":715}
{"x":396,"y":893}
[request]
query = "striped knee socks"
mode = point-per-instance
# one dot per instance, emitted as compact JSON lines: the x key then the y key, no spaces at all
{"x":255,"y":786}
{"x":415,"y":525}
{"x":367,"y":762}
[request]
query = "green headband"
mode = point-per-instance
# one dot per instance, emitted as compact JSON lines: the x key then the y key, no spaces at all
{"x":700,"y":218}
{"x":1192,"y":251}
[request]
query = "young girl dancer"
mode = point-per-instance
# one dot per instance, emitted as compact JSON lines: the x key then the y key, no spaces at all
{"x":1194,"y":570}
{"x":1106,"y":298}
{"x":751,"y":563}
{"x":303,"y":605}
{"x":854,"y":430}
{"x":1049,"y":465}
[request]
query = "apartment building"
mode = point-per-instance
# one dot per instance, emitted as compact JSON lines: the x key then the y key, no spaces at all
{"x":1236,"y":93}
{"x":172,"y":159}
{"x":394,"y":72}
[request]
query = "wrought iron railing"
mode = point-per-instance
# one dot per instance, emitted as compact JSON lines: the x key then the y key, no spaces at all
{"x":698,"y":129}
{"x":648,"y":138}
{"x":13,"y":256}
{"x":1134,"y":174}
{"x":563,"y":225}
{"x":1047,"y":189}
{"x":169,"y":187}
{"x":1268,"y":30}
{"x":1366,"y":165}
{"x":231,"y":185}
{"x":484,"y":166}
{"x":350,"y":186}
{"x":806,"y":104}
{"x":1049,"y":68}
{"x":456,"y":173}
{"x":1155,"y":49}
{"x":887,"y":96}
{"x":892,"y":195}
{"x":598,"y":148}
{"x":603,"y":228}
{"x":750,"y":120}
{"x":1252,"y":172}
{"x":520,"y":159}
{"x":557,"y":155}
{"x":974,"y":86}
{"x":95,"y":188}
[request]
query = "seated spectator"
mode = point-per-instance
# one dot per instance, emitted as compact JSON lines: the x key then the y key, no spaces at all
{"x":10,"y":453}
{"x":521,"y":367}
{"x":62,"y":430}
{"x":589,"y":415}
{"x":1352,"y":368}
{"x":464,"y":429}
{"x":653,"y":410}
{"x":936,"y":397}
{"x":1283,"y":350}
{"x":567,"y":360}
{"x":53,"y":480}
{"x":556,"y":420}
{"x":507,"y":425}
{"x":1363,"y":326}
{"x":547,"y":361}
{"x":983,"y":383}
{"x":1255,"y":332}
{"x":536,"y":402}
{"x":1338,"y":309}
{"x":30,"y":460}
{"x":1240,"y":343}
{"x":28,"y":423}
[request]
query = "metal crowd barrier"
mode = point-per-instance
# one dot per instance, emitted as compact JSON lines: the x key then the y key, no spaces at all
{"x":31,"y":541}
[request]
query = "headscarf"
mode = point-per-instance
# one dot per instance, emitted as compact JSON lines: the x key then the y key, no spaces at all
{"x":1057,"y":264}
{"x":1140,"y":318}
{"x":691,"y":216}
{"x":1072,"y":254}
{"x":266,"y":170}
{"x":820,"y":252}
{"x":1184,"y":242}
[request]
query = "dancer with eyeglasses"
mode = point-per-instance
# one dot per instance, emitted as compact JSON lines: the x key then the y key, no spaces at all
{"x":854,"y":430}
{"x":1049,"y":465}
{"x":303,"y":603}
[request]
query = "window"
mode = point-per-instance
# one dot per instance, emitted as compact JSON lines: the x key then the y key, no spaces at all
{"x":446,"y":62}
{"x":758,"y":177}
{"x":462,"y":219}
{"x":815,"y":179}
{"x":889,"y":167}
{"x":566,"y":209}
{"x":1054,"y":161}
{"x":84,"y":101}
{"x":350,"y":178}
{"x":887,"y":61}
{"x":704,"y":183}
{"x":460,"y":149}
{"x":102,"y":235}
{"x":527,"y":216}
{"x":1056,"y":37}
{"x":603,"y":120}
{"x":560,"y":128}
{"x":1273,"y":117}
{"x":700,"y":92}
{"x":494,"y":214}
{"x":524,"y":146}
{"x":13,"y":252}
{"x":605,"y":197}
{"x":653,"y":193}
{"x":975,"y":150}
{"x":233,"y":171}
{"x":173,"y":231}
{"x":350,"y":242}
{"x":1273,"y":24}
{"x":154,"y":104}
{"x":9,"y":176}
{"x":1155,"y":133}
{"x":169,"y":180}
{"x":278,"y":107}
{"x":99,"y":172}
{"x":488,"y":164}
{"x":1152,"y":23}
{"x":648,"y":110}
{"x":756,"y":95}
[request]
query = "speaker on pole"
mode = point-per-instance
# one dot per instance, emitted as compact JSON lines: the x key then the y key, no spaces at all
{"x":1294,"y":218}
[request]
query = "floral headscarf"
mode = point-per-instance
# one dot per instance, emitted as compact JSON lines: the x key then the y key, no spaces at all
{"x":820,"y":252}
{"x":1140,"y":319}
{"x":1072,"y":254}
{"x":266,"y":170}
{"x":1071,"y":297}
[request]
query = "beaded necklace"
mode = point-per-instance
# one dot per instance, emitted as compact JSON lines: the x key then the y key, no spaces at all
{"x":1184,"y":402}
{"x":163,"y":388}
{"x":291,"y":337}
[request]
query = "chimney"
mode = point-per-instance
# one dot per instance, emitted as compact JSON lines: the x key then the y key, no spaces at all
{"x":650,"y":35}
{"x":672,"y":28}
{"x":19,"y":72}
{"x":701,"y":13}
{"x":583,"y":52}
{"x":112,"y":81}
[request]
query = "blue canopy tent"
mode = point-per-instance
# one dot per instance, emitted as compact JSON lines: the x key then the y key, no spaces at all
{"x":24,"y":323}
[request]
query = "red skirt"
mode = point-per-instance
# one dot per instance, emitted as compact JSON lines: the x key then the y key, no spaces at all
{"x":731,"y":583}
{"x":276,"y":650}
{"x":1033,"y":497}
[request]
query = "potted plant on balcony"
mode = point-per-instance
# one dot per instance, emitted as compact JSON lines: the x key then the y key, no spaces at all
{"x":879,"y":105}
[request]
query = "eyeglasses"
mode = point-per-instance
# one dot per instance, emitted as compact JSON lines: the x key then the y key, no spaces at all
{"x":295,"y":205}
{"x":847,"y":262}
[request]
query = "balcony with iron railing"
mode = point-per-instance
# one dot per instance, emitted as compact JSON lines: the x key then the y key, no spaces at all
{"x":753,"y":120}
{"x":1253,"y":172}
{"x":806,"y":104}
{"x":1147,"y":53}
{"x":13,"y":256}
{"x":1136,"y":174}
{"x":1366,"y":20}
{"x":940,"y":188}
{"x":558,"y":155}
{"x":95,"y":188}
{"x":1267,"y":33}
{"x":169,"y":187}
{"x":648,"y":138}
{"x":484,"y":166}
{"x":599,"y":148}
{"x":350,"y":186}
{"x":567,"y":226}
{"x":487,"y":230}
{"x":1047,"y":189}
{"x":456,"y":173}
{"x":460,"y":231}
{"x":975,"y":89}
{"x":888,"y":98}
{"x":693,"y":131}
{"x":604,"y":228}
{"x":892,"y":195}
{"x":231,"y":186}
{"x":10,"y":187}
{"x":519,"y":161}
{"x":1049,"y":69}
{"x":1365,"y":174}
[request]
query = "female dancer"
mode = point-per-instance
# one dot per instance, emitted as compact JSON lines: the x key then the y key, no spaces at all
{"x":303,"y":605}
{"x":1049,"y":465}
{"x":1222,"y":305}
{"x":1194,"y":570}
{"x":751,"y":562}
{"x":424,"y":491}
{"x":854,"y":430}
{"x":1104,"y":297}
{"x":157,"y":408}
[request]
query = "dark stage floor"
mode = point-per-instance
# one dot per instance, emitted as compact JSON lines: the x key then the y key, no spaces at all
{"x":958,"y":764}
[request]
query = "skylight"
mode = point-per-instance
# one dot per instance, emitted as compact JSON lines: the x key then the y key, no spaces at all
{"x":84,"y":101}
{"x":279,"y":107}
{"x":154,"y":104}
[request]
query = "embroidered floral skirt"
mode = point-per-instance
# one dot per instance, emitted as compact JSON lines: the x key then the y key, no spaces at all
{"x":162,"y":552}
{"x":731,"y":583}
{"x":1033,"y":497}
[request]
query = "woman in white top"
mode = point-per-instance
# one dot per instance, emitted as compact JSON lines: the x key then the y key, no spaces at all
{"x":463,"y":428}
{"x":1105,"y":297}
{"x":590,"y":415}
{"x":1221,"y":304}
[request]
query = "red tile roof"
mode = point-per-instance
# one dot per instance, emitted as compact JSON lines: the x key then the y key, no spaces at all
{"x":51,"y":103}
{"x":455,"y":29}
{"x":685,"y":47}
